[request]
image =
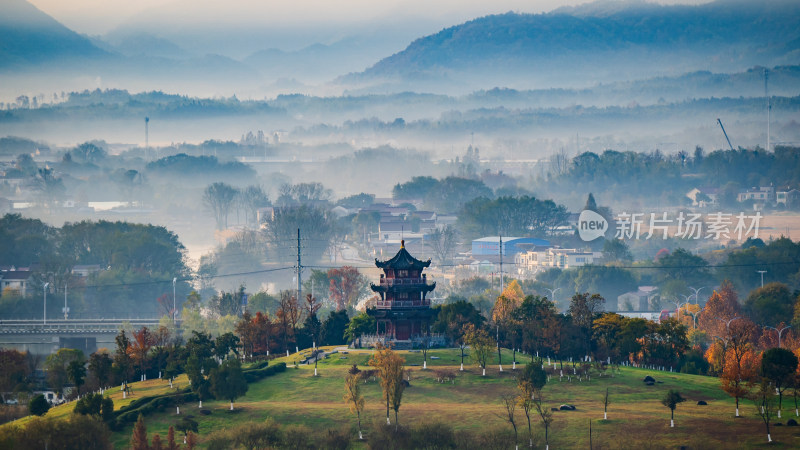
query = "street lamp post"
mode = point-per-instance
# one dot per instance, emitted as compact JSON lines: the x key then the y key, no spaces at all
{"x":696,"y":291}
{"x":728,"y":324}
{"x":694,"y":317}
{"x":678,"y":305}
{"x":44,"y":313}
{"x":780,"y":332}
{"x":762,"y":272}
{"x":174,"y":280}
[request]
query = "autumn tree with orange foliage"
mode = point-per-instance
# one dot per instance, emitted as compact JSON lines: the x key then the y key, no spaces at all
{"x":143,"y":340}
{"x":740,"y":373}
{"x":347,"y":285}
{"x":255,"y":334}
{"x":390,"y":367}
{"x":288,"y":317}
{"x":503,"y":317}
{"x":507,"y":302}
{"x":687,"y":315}
{"x":723,"y":305}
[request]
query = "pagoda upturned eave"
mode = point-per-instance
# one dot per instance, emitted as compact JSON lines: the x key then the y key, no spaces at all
{"x":402,"y":261}
{"x":383,"y":287}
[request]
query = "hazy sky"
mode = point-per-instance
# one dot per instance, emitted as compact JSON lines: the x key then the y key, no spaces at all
{"x":100,"y":16}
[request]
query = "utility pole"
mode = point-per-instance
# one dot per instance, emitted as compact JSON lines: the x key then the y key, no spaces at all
{"x":66,"y":309}
{"x":762,"y":272}
{"x":146,"y":136}
{"x":44,"y":315}
{"x":174,"y":306}
{"x":299,"y":267}
{"x":501,"y":264}
{"x":769,"y":104}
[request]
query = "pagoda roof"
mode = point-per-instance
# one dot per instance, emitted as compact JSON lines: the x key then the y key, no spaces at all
{"x":403,"y":287}
{"x":402,"y":261}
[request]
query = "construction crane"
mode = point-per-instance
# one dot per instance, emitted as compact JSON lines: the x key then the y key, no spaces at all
{"x":723,"y":132}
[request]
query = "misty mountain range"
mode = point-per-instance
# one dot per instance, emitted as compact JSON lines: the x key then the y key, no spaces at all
{"x":577,"y":46}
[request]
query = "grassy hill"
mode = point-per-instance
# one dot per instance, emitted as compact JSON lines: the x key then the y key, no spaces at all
{"x":473,"y":403}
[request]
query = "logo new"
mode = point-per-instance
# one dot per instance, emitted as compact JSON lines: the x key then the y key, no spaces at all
{"x":591,"y":225}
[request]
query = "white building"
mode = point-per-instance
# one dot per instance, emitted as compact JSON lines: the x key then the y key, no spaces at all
{"x":564,"y":258}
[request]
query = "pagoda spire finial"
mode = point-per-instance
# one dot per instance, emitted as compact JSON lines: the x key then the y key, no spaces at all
{"x":402,"y":243}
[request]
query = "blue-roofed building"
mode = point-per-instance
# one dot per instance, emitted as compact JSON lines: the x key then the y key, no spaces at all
{"x":511,"y":245}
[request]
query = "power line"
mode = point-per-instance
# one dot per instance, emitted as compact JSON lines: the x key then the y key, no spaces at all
{"x":153,"y":282}
{"x":256,"y":272}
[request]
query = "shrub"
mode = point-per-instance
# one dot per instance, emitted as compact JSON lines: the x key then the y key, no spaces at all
{"x":336,"y":440}
{"x":297,"y":437}
{"x":385,"y":436}
{"x":266,"y":434}
{"x":79,"y":431}
{"x":38,"y":405}
{"x":435,"y":435}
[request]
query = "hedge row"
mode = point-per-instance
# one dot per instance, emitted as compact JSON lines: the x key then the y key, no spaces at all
{"x":148,"y":405}
{"x":253,"y":375}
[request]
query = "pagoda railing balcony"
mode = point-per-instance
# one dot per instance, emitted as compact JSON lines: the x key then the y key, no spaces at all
{"x":403,"y":281}
{"x":400,"y":304}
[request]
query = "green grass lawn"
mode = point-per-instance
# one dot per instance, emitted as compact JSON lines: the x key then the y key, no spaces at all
{"x":473,"y":402}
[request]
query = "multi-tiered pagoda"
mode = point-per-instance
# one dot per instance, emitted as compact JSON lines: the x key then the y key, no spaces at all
{"x":402,"y":312}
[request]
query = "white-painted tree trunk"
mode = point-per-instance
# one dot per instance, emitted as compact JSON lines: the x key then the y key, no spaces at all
{"x":605,"y":415}
{"x":184,"y":439}
{"x":159,"y":374}
{"x":424,"y":365}
{"x":177,"y":410}
{"x":124,"y":394}
{"x":201,"y":404}
{"x":462,"y":367}
{"x":360,"y":436}
{"x":779,"y":414}
{"x":769,"y":438}
{"x":287,"y":353}
{"x":387,"y":421}
{"x":671,"y":423}
{"x":231,"y":406}
{"x":514,"y":366}
{"x":737,"y":412}
{"x":315,"y":371}
{"x":796,"y":412}
{"x":501,"y":367}
{"x":484,"y":372}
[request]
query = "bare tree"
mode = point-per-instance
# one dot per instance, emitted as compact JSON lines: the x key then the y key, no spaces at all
{"x":443,"y":242}
{"x":219,"y":197}
{"x":352,"y":395}
{"x":510,"y":403}
{"x":544,"y":414}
